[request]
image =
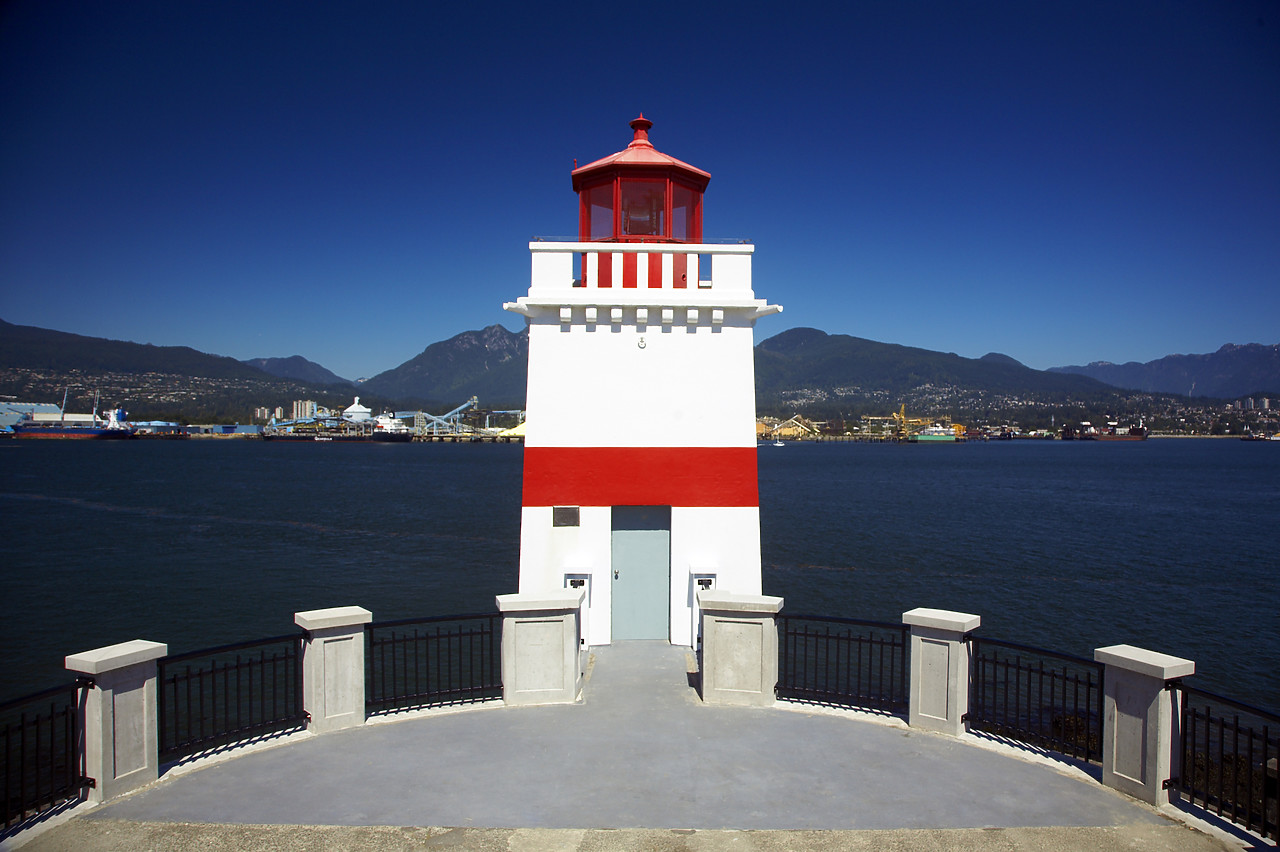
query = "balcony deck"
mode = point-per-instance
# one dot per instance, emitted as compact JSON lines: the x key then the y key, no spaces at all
{"x":641,"y":763}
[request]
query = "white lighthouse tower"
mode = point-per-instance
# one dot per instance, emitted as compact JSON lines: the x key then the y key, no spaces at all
{"x":640,"y":483}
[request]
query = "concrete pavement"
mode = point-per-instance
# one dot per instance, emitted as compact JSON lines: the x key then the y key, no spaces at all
{"x":641,"y":763}
{"x":99,"y":835}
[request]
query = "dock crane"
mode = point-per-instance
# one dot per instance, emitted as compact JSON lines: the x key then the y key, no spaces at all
{"x":904,"y":426}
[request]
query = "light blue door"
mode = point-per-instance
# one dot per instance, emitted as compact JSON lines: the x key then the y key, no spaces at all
{"x":641,"y":555}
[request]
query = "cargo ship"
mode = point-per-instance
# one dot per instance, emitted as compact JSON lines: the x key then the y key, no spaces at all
{"x":314,"y":435}
{"x":75,"y":426}
{"x":934,"y":434}
{"x":1110,"y":432}
{"x":384,"y":429}
{"x":389,"y":430}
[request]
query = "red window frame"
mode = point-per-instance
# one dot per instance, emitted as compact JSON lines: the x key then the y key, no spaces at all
{"x":614,"y":184}
{"x":585,"y":211}
{"x":650,"y":182}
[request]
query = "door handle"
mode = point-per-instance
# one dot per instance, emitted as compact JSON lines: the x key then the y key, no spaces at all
{"x":615,"y":573}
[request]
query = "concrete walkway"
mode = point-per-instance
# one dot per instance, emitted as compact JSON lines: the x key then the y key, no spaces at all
{"x":641,"y":764}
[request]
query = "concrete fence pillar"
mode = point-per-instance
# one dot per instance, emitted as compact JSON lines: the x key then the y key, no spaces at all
{"x":541,"y":659}
{"x":333,"y":666}
{"x":1140,"y":721}
{"x":939,"y":669}
{"x":739,"y":647}
{"x":120,"y":732}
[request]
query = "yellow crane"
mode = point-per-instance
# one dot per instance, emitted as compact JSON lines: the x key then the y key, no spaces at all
{"x":906,"y":425}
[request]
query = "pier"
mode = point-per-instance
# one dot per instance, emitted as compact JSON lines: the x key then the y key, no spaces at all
{"x":652,"y":746}
{"x":639,"y":763}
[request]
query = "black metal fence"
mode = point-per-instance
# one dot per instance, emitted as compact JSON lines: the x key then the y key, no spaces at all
{"x":1229,"y":755}
{"x":40,"y":749}
{"x":227,"y":694}
{"x":424,"y":662}
{"x":1036,"y":696}
{"x":843,"y":662}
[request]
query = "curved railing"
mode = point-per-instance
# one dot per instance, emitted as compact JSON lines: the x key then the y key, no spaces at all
{"x":43,"y":763}
{"x":219,"y":697}
{"x":1228,"y":756}
{"x":431,"y":662}
{"x":1040,"y":697}
{"x":843,"y":662}
{"x":224,"y":695}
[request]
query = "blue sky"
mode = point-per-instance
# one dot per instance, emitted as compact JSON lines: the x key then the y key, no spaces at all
{"x":350,"y":182}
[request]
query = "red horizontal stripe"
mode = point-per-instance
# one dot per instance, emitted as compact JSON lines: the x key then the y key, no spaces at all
{"x":640,"y":476}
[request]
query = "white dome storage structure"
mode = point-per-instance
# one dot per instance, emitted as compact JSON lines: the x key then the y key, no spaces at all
{"x":356,"y":413}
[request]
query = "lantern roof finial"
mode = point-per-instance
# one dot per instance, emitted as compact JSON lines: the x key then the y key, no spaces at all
{"x":639,"y":154}
{"x":641,"y":127}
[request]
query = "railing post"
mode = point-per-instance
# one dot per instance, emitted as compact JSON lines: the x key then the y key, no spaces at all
{"x":939,"y":669}
{"x":1140,"y":720}
{"x":333,"y":666}
{"x":739,"y":648}
{"x":541,"y":659}
{"x":120,"y":736}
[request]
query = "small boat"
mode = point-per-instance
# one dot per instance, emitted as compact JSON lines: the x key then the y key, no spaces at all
{"x":779,"y":443}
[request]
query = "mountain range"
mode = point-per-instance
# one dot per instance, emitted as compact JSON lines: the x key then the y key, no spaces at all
{"x":803,"y":368}
{"x":297,"y":367}
{"x":1232,"y":371}
{"x":491,"y":364}
{"x":838,"y":365}
{"x":34,"y":348}
{"x":838,"y":371}
{"x":799,"y":369}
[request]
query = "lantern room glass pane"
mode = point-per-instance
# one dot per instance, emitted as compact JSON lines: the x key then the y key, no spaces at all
{"x":644,"y":204}
{"x":683,"y":201}
{"x":600,"y":212}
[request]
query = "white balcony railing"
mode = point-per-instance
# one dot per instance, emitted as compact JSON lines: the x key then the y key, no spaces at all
{"x":725,"y":269}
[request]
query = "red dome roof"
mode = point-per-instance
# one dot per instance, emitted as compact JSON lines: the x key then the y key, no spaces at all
{"x":641,"y":154}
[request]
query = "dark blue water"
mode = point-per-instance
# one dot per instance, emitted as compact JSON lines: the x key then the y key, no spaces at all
{"x":1168,"y":544}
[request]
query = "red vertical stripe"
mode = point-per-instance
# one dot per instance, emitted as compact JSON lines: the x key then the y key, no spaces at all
{"x":606,"y":270}
{"x":655,"y":269}
{"x":629,"y":269}
{"x":680,"y":271}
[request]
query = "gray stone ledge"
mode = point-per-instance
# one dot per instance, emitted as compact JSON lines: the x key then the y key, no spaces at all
{"x":337,"y":616}
{"x":718,"y":601}
{"x":540,"y":602}
{"x":1149,"y":663}
{"x":942,"y":619}
{"x":112,"y":657}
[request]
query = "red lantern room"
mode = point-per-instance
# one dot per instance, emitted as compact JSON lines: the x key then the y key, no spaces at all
{"x":640,"y":195}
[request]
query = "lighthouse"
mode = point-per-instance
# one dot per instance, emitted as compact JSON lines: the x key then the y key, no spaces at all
{"x":640,"y":483}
